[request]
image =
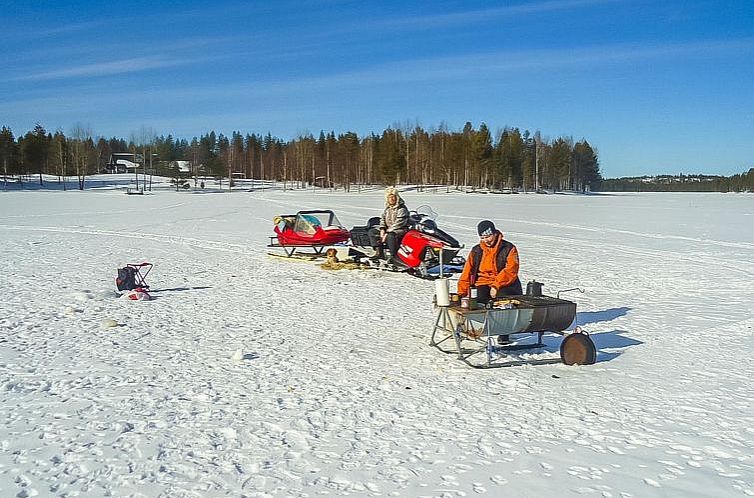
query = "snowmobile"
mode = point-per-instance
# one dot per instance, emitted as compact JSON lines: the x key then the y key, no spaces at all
{"x":425,"y":251}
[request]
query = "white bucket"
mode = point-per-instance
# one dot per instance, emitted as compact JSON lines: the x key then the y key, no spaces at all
{"x":442,"y":292}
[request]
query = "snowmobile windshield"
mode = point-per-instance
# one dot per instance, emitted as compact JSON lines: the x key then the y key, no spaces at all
{"x":424,"y":219}
{"x":308,"y":221}
{"x":333,"y":222}
{"x":425,"y":212}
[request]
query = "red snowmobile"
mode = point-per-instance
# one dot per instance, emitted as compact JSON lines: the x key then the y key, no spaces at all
{"x":425,"y":251}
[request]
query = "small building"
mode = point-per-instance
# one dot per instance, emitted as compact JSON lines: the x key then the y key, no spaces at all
{"x":183,"y":166}
{"x":123,"y":162}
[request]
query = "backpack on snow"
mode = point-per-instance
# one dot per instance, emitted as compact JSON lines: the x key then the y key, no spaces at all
{"x":126,"y":279}
{"x":133,"y":277}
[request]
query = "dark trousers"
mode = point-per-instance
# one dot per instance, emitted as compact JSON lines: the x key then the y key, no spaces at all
{"x":392,"y":241}
{"x":483,"y":291}
{"x":374,"y":237}
{"x":483,"y":297}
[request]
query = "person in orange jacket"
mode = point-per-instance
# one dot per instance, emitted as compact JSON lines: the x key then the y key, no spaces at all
{"x":492,"y":266}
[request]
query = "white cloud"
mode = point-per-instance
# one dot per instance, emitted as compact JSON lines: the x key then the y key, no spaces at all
{"x":122,"y":66}
{"x":481,"y":15}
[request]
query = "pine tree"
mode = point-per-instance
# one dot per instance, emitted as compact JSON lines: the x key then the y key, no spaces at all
{"x":509,"y":154}
{"x":103,"y":153}
{"x":35,"y":151}
{"x":559,"y":164}
{"x":586,"y":167}
{"x":391,"y":159}
{"x":481,"y":155}
{"x":8,"y":153}
{"x":528,"y":161}
{"x":60,"y":154}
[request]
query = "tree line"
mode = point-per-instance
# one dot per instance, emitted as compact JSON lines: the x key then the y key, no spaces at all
{"x":470,"y":158}
{"x":743,"y":182}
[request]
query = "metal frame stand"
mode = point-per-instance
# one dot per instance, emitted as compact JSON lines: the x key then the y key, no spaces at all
{"x":484,"y":337}
{"x":290,"y":250}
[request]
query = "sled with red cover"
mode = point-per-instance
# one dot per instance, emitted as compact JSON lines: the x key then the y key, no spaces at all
{"x":315,"y":229}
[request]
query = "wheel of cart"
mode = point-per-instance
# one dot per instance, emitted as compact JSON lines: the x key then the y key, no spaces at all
{"x":578,"y":348}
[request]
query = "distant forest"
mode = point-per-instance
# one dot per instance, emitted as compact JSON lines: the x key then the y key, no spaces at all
{"x":681,"y":183}
{"x":470,"y":158}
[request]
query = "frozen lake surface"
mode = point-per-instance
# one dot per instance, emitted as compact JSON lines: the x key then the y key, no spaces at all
{"x":336,"y":391}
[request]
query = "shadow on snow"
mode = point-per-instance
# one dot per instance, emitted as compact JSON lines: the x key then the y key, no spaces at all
{"x":176,"y":289}
{"x":613,"y":339}
{"x":587,"y":317}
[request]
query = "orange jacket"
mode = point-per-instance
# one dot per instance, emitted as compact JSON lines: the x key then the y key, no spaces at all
{"x":488,"y":273}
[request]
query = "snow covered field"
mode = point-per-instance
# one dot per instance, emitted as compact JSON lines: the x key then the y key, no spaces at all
{"x":336,"y":391}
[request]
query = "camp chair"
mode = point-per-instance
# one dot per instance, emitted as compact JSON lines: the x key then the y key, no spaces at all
{"x":133,"y":276}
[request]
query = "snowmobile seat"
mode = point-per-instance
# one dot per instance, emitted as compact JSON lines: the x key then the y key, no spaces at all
{"x":360,"y":234}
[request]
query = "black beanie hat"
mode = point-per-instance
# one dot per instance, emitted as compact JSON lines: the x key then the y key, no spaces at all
{"x":485,"y":228}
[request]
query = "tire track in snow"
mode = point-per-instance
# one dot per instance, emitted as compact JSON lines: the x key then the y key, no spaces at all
{"x":344,"y":208}
{"x":97,"y":213}
{"x":469,"y":227}
{"x":695,"y":240}
{"x":189,"y":241}
{"x":456,"y":227}
{"x":712,"y":262}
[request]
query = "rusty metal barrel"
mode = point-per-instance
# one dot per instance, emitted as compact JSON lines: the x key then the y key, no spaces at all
{"x":532,"y":314}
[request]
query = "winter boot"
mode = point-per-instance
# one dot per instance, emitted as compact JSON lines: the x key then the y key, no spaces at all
{"x":503,"y":340}
{"x":380,"y":254}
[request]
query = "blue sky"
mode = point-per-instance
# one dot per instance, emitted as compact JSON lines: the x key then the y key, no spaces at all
{"x":655,"y":86}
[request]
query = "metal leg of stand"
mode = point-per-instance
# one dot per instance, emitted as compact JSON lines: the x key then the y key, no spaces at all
{"x":445,"y":317}
{"x":457,"y":337}
{"x":434,"y":328}
{"x":444,"y":324}
{"x":490,"y":348}
{"x":489,"y":345}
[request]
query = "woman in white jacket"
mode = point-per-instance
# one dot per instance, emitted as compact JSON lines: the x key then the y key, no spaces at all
{"x":393,"y":223}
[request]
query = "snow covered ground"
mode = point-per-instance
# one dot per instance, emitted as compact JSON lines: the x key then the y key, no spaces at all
{"x":335,"y":390}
